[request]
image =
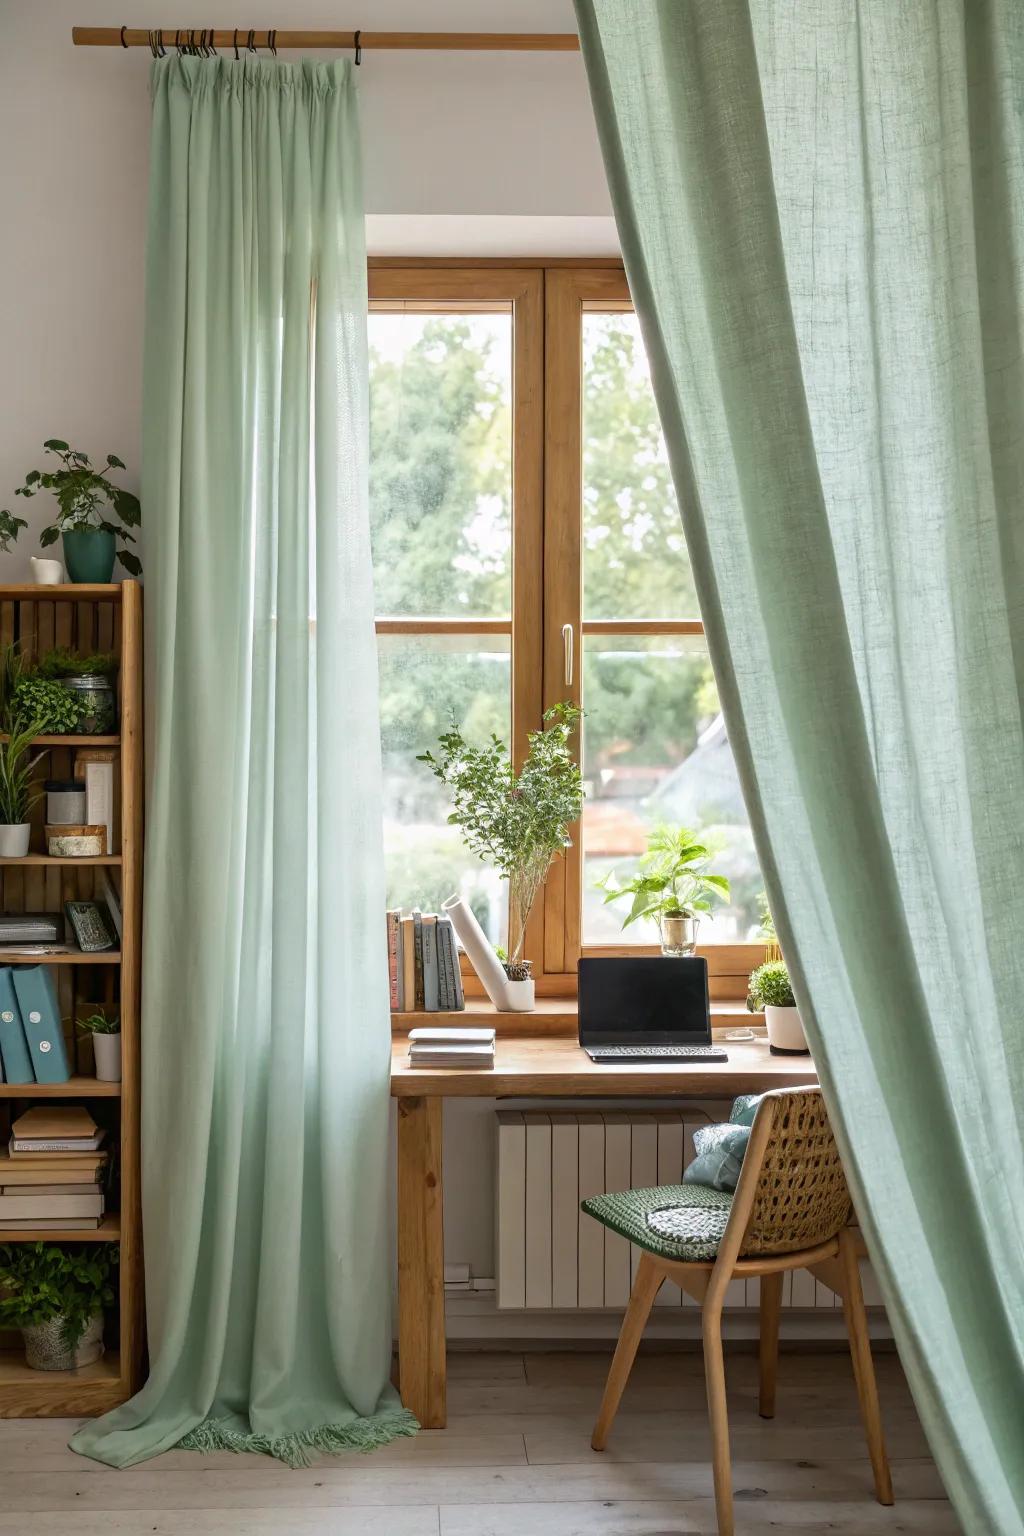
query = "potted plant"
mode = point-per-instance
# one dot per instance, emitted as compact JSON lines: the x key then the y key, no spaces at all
{"x":56,"y":1295}
{"x":673,"y":884}
{"x":88,"y":536}
{"x":18,"y":792}
{"x":54,"y":708}
{"x":106,"y":1044}
{"x":771,"y":992}
{"x":90,"y":681}
{"x":517,"y":821}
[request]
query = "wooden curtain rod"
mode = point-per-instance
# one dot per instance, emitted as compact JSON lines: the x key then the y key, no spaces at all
{"x":232,"y":37}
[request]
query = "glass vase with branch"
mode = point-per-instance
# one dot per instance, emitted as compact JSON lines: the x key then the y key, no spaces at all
{"x":517,"y":821}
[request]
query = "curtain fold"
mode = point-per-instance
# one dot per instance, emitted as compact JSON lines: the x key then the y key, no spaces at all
{"x":266,"y":1039}
{"x":821,"y":210}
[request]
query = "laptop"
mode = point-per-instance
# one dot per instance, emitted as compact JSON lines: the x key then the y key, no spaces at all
{"x":646,"y":1009}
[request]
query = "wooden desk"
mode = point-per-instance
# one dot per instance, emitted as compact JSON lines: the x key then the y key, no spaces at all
{"x":548,"y":1066}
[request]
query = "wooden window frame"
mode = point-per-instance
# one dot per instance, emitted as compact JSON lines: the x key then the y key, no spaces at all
{"x":547,"y":302}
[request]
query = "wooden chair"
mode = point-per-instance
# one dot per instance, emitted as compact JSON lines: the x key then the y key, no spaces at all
{"x":790,"y":1211}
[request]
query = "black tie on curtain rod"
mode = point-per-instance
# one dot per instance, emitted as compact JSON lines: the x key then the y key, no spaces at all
{"x":209,"y":39}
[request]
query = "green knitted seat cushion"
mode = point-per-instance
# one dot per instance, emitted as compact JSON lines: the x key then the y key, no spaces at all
{"x":692,"y":1218}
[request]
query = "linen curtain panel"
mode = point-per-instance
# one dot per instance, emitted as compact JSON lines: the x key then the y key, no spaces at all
{"x":266,"y":1032}
{"x":821,"y":208}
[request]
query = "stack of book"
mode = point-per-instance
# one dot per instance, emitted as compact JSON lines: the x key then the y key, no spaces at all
{"x":423,"y":964}
{"x":50,"y":1175}
{"x":456,"y":1047}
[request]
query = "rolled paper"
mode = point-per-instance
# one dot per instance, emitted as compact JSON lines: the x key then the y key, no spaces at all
{"x":481,"y":955}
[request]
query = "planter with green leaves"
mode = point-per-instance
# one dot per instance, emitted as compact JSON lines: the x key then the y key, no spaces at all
{"x":518,"y":822}
{"x":19,"y":791}
{"x":45,"y":700}
{"x":673,"y":885}
{"x":772,"y":993}
{"x":84,"y":495}
{"x":56,"y":1294}
{"x":106,"y":1044}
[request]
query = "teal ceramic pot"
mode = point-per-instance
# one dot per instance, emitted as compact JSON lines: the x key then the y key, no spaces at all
{"x":89,"y":554}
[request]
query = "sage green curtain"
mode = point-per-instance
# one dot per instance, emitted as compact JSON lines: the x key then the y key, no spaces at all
{"x":821,"y":208}
{"x":266,"y":1041}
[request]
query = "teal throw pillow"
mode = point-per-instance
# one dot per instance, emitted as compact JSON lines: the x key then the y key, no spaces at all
{"x":720,"y":1150}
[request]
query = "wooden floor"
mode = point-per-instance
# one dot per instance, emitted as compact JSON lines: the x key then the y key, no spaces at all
{"x":516,"y":1461}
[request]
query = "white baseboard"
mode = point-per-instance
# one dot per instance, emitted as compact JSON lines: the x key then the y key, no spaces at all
{"x":473,"y":1318}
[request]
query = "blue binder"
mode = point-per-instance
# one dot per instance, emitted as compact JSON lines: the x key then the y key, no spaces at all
{"x":13,"y":1045}
{"x":40,"y":1017}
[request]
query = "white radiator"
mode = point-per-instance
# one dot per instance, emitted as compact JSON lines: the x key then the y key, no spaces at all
{"x":549,"y":1254}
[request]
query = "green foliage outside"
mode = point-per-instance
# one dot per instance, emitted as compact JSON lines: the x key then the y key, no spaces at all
{"x":82,"y":493}
{"x":43,"y":1281}
{"x":770,"y":987}
{"x":440,"y":478}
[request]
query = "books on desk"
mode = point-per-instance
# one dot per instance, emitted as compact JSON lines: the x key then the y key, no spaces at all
{"x":453,"y":1047}
{"x":50,"y":1176}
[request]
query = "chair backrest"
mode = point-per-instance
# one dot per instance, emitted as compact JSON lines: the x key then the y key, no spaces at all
{"x":800,"y":1197}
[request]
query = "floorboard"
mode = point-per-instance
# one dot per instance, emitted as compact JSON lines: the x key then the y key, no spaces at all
{"x":516,"y":1461}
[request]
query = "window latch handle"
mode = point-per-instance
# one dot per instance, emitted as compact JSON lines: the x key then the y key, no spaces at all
{"x":567,"y":653}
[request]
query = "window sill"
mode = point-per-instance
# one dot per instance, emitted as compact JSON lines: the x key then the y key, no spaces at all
{"x":556,"y":1016}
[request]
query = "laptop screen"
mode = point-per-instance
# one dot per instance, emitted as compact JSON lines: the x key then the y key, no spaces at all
{"x":647,"y":1000}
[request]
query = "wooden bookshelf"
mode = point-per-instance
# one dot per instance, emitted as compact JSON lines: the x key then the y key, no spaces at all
{"x":41,"y":860}
{"x":86,"y":618}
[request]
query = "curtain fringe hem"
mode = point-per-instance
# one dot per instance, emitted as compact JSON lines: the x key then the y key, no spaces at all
{"x":301,"y":1449}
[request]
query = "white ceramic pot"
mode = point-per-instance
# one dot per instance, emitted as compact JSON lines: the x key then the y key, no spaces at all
{"x":14,"y":840}
{"x":785,"y":1029}
{"x":106,"y":1051}
{"x":519,"y":997}
{"x":46,"y":573}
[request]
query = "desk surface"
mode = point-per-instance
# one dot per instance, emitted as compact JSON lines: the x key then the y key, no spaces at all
{"x":555,"y":1065}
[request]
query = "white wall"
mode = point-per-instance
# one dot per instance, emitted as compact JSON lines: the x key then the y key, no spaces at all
{"x":464,"y":154}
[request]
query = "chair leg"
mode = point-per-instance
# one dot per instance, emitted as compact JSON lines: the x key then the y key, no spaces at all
{"x":771,"y":1306}
{"x":645,"y":1288}
{"x":714,"y":1372}
{"x":863,"y":1366}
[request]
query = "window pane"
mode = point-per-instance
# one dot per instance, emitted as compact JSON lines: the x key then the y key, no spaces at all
{"x":441,"y":463}
{"x":635,"y":564}
{"x":655,"y":751}
{"x":425,"y":682}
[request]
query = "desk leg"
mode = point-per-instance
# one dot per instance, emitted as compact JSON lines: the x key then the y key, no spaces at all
{"x":422,"y":1366}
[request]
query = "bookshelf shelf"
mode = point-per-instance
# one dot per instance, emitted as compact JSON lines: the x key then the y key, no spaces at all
{"x":25,"y":1393}
{"x":74,"y":1088}
{"x":71,"y":741}
{"x":41,"y":860}
{"x":66,"y":956}
{"x":108,"y":1231}
{"x":86,"y":619}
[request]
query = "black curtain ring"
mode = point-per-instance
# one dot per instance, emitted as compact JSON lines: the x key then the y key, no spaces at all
{"x":152,"y":43}
{"x":123,"y":43}
{"x":272,"y":41}
{"x":160,"y":42}
{"x":211,"y":46}
{"x":358,"y":46}
{"x":177,"y":40}
{"x":250,"y":45}
{"x":193,"y":50}
{"x":236,"y":45}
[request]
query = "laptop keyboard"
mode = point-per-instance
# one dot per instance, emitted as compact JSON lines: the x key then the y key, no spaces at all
{"x":655,"y":1052}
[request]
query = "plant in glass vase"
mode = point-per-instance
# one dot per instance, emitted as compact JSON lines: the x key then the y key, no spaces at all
{"x":673,"y":885}
{"x":517,"y":821}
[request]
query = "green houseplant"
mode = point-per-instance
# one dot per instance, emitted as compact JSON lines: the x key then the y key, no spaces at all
{"x":18,"y":792}
{"x":89,"y":538}
{"x":518,"y":821}
{"x":56,"y":1295}
{"x":771,"y":992}
{"x":46,"y":701}
{"x":673,"y":884}
{"x":105,"y":1034}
